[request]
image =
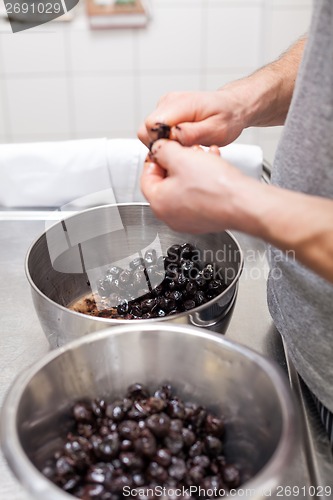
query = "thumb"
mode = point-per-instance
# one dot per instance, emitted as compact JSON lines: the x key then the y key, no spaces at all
{"x":191,"y":133}
{"x":170,"y":155}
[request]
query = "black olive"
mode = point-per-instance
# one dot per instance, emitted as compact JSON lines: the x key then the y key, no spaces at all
{"x":177,"y":468}
{"x":123,"y":307}
{"x":136,"y":311}
{"x":163,"y":457}
{"x":189,"y":304}
{"x":129,"y":430}
{"x":146,"y":444}
{"x":159,"y":424}
{"x":147,"y":304}
{"x":214,"y":425}
{"x":186,"y":251}
{"x":141,"y":441}
{"x":213,"y":446}
{"x":173,"y":253}
{"x":137,"y":391}
{"x":231,"y":476}
{"x":208,"y":272}
{"x":215,"y":286}
{"x":199,"y":298}
{"x":191,"y":289}
{"x":82,"y":412}
{"x":115,"y":410}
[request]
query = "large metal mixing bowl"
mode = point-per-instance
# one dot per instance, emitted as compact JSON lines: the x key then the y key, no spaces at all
{"x":65,"y":261}
{"x":229,"y":379}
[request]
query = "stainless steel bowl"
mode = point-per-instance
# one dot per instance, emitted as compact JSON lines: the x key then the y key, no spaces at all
{"x":229,"y":379}
{"x":66,"y":259}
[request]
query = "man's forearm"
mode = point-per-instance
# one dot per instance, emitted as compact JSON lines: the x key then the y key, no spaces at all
{"x":269,"y":90}
{"x":289,"y":221}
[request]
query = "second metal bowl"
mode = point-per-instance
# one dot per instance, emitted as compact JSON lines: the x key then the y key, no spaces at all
{"x":229,"y":379}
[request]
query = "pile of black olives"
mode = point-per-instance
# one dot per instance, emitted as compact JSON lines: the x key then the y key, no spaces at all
{"x":140,"y":442}
{"x":154,"y":287}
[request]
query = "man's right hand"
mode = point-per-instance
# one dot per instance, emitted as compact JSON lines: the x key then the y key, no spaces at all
{"x":262,"y":99}
{"x":197,"y":117}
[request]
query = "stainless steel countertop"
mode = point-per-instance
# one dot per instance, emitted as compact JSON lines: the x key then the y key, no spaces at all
{"x":22,"y":342}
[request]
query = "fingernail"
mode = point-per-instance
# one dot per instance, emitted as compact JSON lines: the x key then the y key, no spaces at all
{"x":174,"y":132}
{"x":149,"y":158}
{"x":155,"y":148}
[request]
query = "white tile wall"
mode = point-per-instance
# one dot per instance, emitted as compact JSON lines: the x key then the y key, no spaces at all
{"x":173,"y":3}
{"x":3,"y":114}
{"x":65,"y":81}
{"x":103,"y":105}
{"x":101,"y":51}
{"x":23,"y":138}
{"x":172,"y":40}
{"x":31,"y":52}
{"x":234,"y":3}
{"x":38,"y":106}
{"x":152,"y":87}
{"x":2,"y":119}
{"x":233,"y":37}
{"x":215,"y":80}
{"x":4,"y":24}
{"x":291,"y":22}
{"x":289,"y":3}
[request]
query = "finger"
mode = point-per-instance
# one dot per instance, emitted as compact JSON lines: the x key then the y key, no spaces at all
{"x":200,"y":132}
{"x":172,"y":109}
{"x":187,"y":133}
{"x":151,"y":177}
{"x":153,"y":169}
{"x":214,"y":150}
{"x":172,"y":156}
{"x":196,"y":147}
{"x":143,"y":135}
{"x":149,"y":138}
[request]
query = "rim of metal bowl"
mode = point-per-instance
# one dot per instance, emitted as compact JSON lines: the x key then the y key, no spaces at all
{"x":111,"y":321}
{"x":37,"y":484}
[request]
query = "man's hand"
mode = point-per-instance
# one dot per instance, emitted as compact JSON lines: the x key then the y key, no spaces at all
{"x":197,"y":118}
{"x":262,"y":99}
{"x":197,"y":192}
{"x":194,"y":191}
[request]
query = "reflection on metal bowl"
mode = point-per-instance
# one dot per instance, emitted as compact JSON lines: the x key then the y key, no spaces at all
{"x":68,"y":258}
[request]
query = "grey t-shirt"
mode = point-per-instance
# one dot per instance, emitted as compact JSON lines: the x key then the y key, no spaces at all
{"x":301,"y":303}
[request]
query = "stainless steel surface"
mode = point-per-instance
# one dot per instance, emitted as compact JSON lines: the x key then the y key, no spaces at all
{"x":23,"y":342}
{"x":65,"y":263}
{"x":203,"y":367}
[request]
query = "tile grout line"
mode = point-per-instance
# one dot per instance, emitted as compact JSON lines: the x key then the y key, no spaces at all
{"x":153,"y":73}
{"x":69,"y":83}
{"x":4,"y":97}
{"x":204,"y":34}
{"x":136,"y":78}
{"x":265,"y":22}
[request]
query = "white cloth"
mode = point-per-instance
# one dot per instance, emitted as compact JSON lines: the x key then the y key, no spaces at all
{"x":83,"y":173}
{"x":248,"y":158}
